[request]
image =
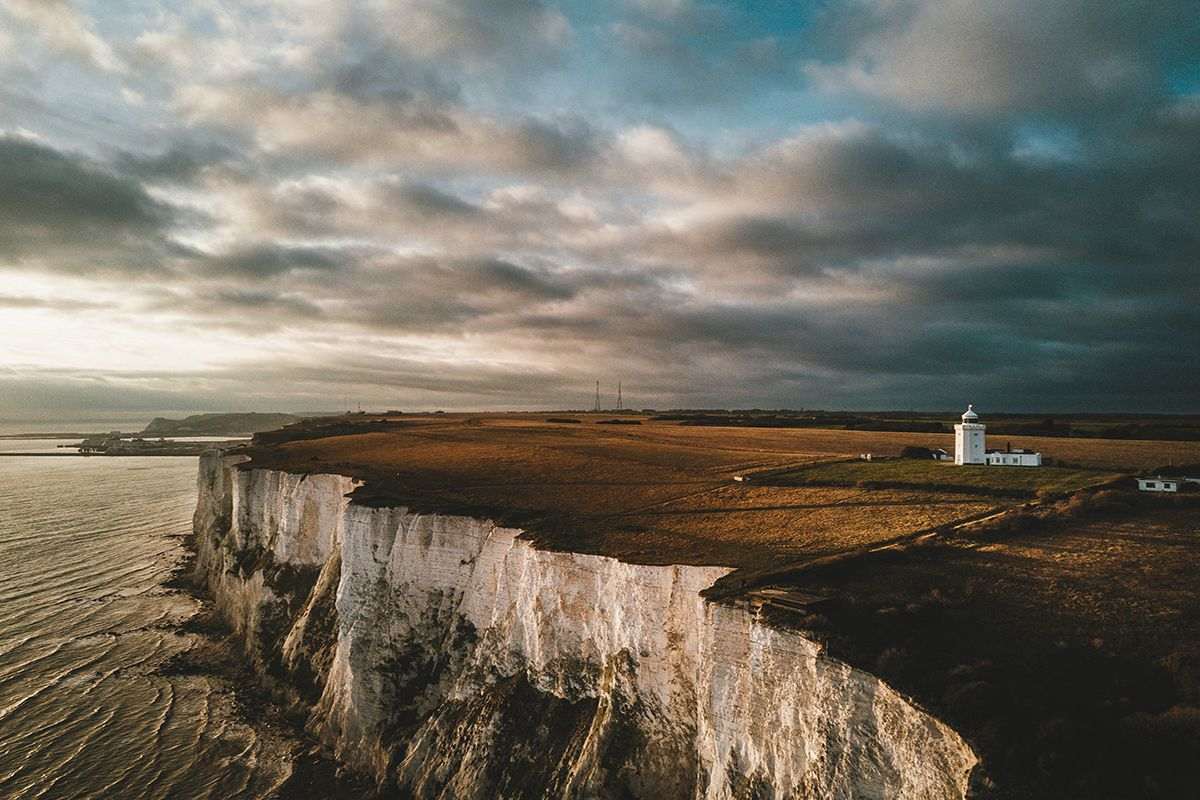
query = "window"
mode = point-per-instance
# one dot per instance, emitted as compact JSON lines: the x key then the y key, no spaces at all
{"x":1151,"y":485}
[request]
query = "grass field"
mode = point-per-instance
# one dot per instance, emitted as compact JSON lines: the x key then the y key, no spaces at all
{"x":759,"y":526}
{"x":652,"y":493}
{"x":664,"y":493}
{"x":906,"y":473}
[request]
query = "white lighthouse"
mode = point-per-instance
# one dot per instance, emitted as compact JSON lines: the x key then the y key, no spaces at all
{"x":969,"y":439}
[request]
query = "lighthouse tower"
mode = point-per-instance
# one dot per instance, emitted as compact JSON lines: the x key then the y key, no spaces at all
{"x":969,"y":439}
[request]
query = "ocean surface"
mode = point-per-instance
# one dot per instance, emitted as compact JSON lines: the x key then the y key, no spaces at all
{"x":85,"y":626}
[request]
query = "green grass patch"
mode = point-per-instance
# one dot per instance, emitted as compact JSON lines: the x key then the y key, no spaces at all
{"x":939,"y":476}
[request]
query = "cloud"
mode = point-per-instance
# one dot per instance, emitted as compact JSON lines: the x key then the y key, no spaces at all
{"x":23,"y":302}
{"x":835,"y":197}
{"x":476,"y":203}
{"x":423,"y":294}
{"x":64,"y":29}
{"x":250,"y":311}
{"x":182,"y":161}
{"x":678,"y":54}
{"x":429,"y":201}
{"x":67,"y":213}
{"x":271,"y":259}
{"x":478,"y":33}
{"x":1066,"y":57}
{"x":413,"y":130}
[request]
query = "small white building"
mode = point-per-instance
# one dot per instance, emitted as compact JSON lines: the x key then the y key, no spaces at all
{"x":1013,"y":458}
{"x":969,"y":439}
{"x":1158,"y":484}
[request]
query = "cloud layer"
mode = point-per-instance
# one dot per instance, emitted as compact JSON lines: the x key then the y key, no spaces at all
{"x":466,"y":204}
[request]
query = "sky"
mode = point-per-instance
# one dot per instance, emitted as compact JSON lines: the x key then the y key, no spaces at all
{"x":471,"y":204}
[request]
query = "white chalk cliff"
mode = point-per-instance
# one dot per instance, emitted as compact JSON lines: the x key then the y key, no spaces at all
{"x":449,"y":658}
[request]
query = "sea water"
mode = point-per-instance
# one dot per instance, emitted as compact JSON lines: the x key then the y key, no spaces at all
{"x":86,"y":625}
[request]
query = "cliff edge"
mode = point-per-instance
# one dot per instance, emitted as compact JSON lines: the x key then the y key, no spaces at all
{"x":447,"y":657}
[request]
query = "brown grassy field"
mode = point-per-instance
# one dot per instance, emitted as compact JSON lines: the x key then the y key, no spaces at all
{"x":756,"y":526}
{"x":1115,"y":454}
{"x":655,"y":493}
{"x":658,"y":492}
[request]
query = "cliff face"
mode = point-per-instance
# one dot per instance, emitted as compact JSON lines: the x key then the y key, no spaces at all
{"x":447,"y":657}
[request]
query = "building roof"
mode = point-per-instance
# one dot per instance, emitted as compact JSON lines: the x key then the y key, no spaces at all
{"x":969,"y":415}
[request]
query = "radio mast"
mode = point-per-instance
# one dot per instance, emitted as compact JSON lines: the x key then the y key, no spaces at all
{"x":597,"y":395}
{"x":619,"y":405}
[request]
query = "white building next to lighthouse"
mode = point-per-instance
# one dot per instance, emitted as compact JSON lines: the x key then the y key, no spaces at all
{"x":1014,"y":457}
{"x":969,"y":439}
{"x":970,"y":446}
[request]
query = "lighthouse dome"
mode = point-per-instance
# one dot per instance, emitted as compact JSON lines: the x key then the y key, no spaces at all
{"x":969,"y":415}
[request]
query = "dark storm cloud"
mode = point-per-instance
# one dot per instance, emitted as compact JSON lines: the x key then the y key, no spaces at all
{"x":507,"y":278}
{"x":255,"y":310}
{"x":69,"y":214}
{"x":453,"y":380}
{"x":181,"y":162}
{"x":426,"y":200}
{"x":53,"y":304}
{"x":269,"y":286}
{"x":555,"y":146}
{"x":270,"y":259}
{"x":853,"y":198}
{"x":421,"y":294}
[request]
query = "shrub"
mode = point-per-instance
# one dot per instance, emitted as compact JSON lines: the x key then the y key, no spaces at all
{"x":1183,"y":665}
{"x":1106,"y":502}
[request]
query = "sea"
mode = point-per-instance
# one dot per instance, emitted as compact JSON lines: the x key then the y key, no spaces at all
{"x":89,"y":704}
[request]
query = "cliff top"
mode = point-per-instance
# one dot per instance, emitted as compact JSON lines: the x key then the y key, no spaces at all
{"x":653,"y":492}
{"x":661,"y":492}
{"x":1063,"y":639}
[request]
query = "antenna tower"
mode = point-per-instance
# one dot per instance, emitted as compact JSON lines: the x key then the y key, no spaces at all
{"x":619,"y":405}
{"x":597,"y":395}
